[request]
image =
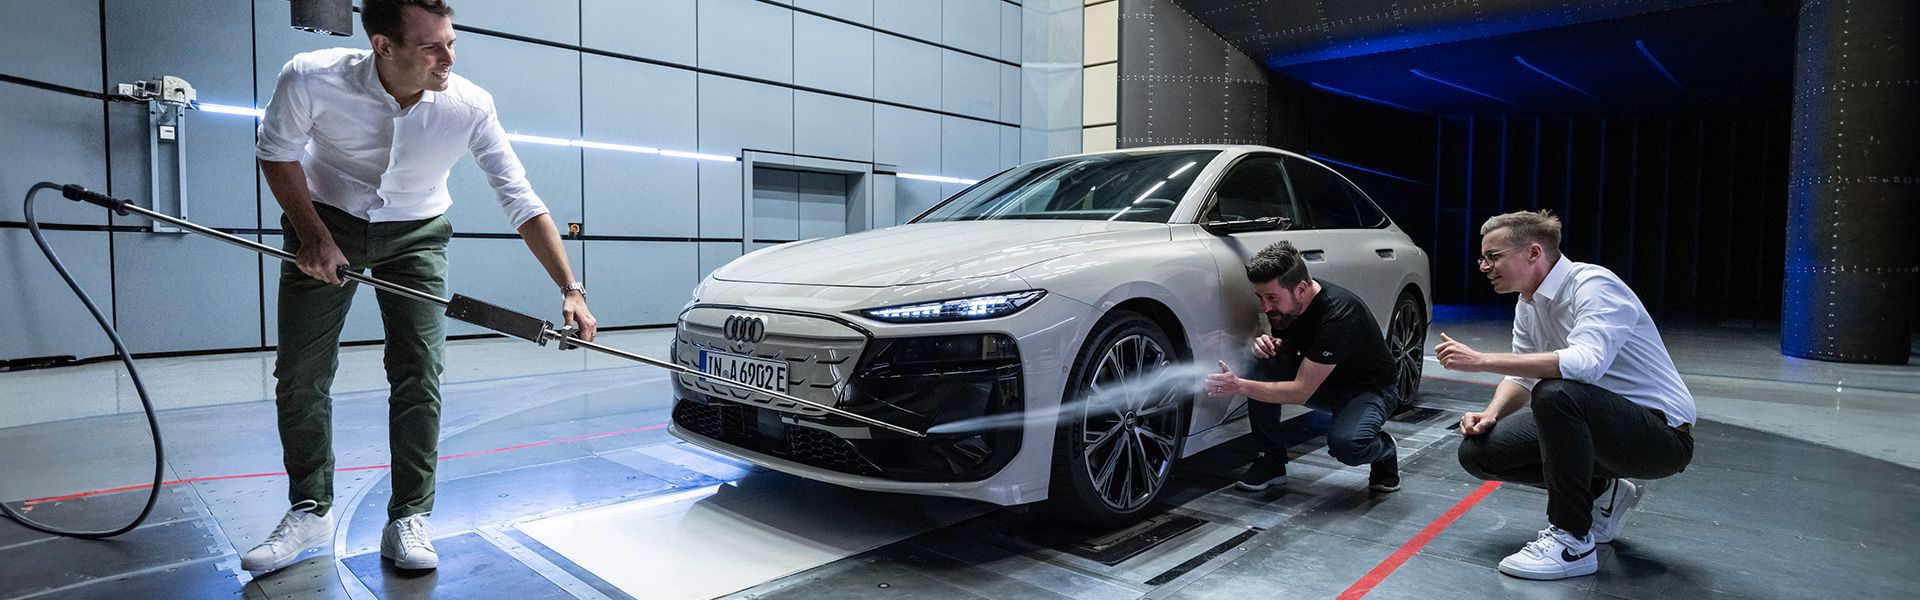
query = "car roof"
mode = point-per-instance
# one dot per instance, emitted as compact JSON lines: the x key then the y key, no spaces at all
{"x":1227,"y":149}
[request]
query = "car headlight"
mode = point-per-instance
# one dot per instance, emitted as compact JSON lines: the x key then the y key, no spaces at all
{"x":958,"y":309}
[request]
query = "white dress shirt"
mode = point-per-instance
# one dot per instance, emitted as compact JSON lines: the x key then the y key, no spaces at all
{"x":1604,"y":337}
{"x":365,"y":155}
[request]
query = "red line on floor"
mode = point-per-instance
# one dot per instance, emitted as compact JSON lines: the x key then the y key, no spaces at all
{"x":143,"y":486}
{"x":1386,"y":567}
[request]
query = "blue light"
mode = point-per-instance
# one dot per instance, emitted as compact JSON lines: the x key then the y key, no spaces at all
{"x":1642,"y":45}
{"x":1372,"y":99}
{"x":1461,"y":87}
{"x":1360,"y":168}
{"x":1523,"y":62}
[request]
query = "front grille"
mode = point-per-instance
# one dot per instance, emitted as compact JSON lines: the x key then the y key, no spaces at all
{"x":735,"y":424}
{"x":825,"y":450}
{"x":820,"y":354}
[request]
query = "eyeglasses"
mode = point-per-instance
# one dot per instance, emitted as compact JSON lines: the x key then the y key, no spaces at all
{"x":1487,"y":258}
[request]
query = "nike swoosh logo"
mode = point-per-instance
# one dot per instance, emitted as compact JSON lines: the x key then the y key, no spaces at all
{"x":1567,"y":555}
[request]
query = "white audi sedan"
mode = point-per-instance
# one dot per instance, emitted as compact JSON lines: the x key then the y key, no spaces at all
{"x":1041,"y":327}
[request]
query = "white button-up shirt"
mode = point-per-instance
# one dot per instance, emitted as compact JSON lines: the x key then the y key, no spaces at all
{"x":365,"y":155}
{"x":1604,"y":337}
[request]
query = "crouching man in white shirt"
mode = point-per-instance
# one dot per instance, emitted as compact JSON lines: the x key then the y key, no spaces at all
{"x":1607,"y":403}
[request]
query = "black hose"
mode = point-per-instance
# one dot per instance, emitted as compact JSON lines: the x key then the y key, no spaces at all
{"x":159,"y":458}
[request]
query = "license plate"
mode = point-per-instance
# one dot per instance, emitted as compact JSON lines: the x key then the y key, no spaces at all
{"x":770,"y":375}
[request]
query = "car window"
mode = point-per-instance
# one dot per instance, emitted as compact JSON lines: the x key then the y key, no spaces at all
{"x":1253,"y":189}
{"x":1120,"y":186}
{"x":1327,"y":197}
{"x":1370,"y":214}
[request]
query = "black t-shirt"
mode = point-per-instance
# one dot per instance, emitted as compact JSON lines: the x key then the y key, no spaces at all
{"x":1336,"y":329}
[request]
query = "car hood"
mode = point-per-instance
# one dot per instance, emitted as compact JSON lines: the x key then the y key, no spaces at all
{"x":934,"y":252}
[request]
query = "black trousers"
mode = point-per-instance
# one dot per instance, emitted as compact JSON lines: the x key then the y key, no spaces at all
{"x":1575,"y":439}
{"x":1354,"y":438}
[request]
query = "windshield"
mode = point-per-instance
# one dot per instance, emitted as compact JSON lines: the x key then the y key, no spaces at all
{"x":1102,"y":187}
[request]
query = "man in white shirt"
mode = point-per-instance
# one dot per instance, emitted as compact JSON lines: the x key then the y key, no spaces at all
{"x":356,"y":146}
{"x":1606,"y":401}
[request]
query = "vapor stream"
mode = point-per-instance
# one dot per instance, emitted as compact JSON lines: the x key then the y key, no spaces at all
{"x":1184,"y":381}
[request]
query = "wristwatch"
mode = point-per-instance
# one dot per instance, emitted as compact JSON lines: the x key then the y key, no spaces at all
{"x":573,"y":287}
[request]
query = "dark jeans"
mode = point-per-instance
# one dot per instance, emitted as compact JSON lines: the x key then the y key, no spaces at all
{"x":1354,"y":438}
{"x":1576,"y":438}
{"x":312,"y":314}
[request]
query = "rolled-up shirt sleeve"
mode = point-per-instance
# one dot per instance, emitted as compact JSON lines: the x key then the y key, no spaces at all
{"x":1604,"y":314}
{"x":504,"y":172}
{"x":1523,"y":343}
{"x":288,"y":119}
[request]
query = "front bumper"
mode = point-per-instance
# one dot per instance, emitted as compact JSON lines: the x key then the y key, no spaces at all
{"x":915,"y":382}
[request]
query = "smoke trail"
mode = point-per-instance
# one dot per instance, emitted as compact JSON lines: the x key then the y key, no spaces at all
{"x":1184,"y":381}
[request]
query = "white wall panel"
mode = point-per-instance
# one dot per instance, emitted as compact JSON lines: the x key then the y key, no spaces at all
{"x":858,"y":11}
{"x":641,"y":283}
{"x":553,"y":20}
{"x":720,"y":199}
{"x":41,"y":316}
{"x":646,"y":105}
{"x":1009,"y":147}
{"x":906,"y":138}
{"x":50,"y":137}
{"x":969,"y":149}
{"x":912,"y":197}
{"x":656,"y":29}
{"x":914,"y":18}
{"x":746,"y":37}
{"x":832,"y":56}
{"x":906,"y":71}
{"x":832,"y":127}
{"x":971,"y":25}
{"x":184,"y":292}
{"x":640,"y":195}
{"x":714,"y":255}
{"x":970,"y":85}
{"x":1010,"y":28}
{"x":736,"y":115}
{"x":60,"y":44}
{"x":504,"y":272}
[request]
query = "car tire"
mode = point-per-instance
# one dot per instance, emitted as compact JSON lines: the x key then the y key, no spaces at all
{"x":1116,"y":445}
{"x":1406,"y":342}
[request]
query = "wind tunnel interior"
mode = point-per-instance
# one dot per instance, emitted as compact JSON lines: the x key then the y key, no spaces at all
{"x":1662,"y":137}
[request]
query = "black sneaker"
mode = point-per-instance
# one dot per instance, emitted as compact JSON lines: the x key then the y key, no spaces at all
{"x":1262,"y":474}
{"x":1385,"y":477}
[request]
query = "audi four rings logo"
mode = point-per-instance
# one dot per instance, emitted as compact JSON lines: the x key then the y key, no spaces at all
{"x":745,"y":328}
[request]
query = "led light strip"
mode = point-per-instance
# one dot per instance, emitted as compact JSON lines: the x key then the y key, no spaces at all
{"x":576,"y":143}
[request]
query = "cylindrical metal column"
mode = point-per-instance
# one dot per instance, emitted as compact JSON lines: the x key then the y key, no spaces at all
{"x":1854,"y":193}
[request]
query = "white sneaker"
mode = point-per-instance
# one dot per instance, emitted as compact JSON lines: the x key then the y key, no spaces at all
{"x":1610,"y":509}
{"x":409,"y":544}
{"x":299,"y":530}
{"x":1555,"y":555}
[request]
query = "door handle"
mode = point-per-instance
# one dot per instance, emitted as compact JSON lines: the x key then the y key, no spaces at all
{"x":1314,"y":256}
{"x":1385,"y":253}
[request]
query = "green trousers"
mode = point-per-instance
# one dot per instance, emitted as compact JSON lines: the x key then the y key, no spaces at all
{"x":312,"y":313}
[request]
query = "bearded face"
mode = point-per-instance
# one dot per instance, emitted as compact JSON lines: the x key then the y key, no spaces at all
{"x":1282,"y":305}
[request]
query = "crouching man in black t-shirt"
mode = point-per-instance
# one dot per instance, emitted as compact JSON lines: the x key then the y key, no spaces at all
{"x":1327,"y":353}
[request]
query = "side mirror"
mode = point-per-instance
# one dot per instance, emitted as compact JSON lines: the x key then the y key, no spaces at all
{"x":1260,"y":224}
